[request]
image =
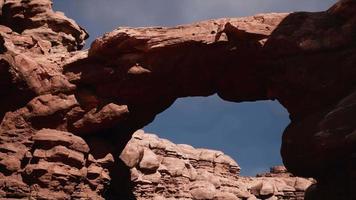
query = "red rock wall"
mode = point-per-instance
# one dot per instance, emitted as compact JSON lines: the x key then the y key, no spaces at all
{"x":162,"y":170}
{"x":304,"y":60}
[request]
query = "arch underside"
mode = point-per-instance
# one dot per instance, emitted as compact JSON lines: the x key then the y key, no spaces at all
{"x":306,"y":61}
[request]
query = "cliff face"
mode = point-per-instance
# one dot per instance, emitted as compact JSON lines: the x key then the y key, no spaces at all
{"x":35,"y":42}
{"x":67,"y":114}
{"x":46,"y":163}
{"x":162,"y":170}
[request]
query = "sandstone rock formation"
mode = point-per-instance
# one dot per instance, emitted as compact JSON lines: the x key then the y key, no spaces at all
{"x":163,"y":170}
{"x":50,"y":164}
{"x":35,"y":43}
{"x":304,"y":60}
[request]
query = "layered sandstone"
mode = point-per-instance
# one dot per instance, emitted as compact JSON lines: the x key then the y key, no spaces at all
{"x":304,"y":60}
{"x":50,"y":164}
{"x":162,"y":170}
{"x":40,"y":163}
{"x":35,"y":43}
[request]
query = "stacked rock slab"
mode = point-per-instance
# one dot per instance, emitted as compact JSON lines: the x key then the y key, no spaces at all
{"x":38,"y":163}
{"x":304,"y":60}
{"x":50,"y":164}
{"x":163,"y":170}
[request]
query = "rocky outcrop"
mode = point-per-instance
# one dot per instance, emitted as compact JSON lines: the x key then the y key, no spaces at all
{"x":161,"y":169}
{"x":35,"y":42}
{"x":50,"y":164}
{"x":288,"y":57}
{"x":304,"y":60}
{"x":38,"y":163}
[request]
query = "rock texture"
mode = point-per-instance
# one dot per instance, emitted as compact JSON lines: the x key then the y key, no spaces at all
{"x":50,"y":164}
{"x":304,"y":60}
{"x":35,"y":43}
{"x":163,"y":170}
{"x":38,"y":163}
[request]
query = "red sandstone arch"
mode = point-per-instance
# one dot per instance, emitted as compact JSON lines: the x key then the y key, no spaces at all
{"x":147,"y":69}
{"x":304,"y":60}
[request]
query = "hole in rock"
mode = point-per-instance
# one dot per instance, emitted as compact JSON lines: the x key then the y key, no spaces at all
{"x":250,"y":133}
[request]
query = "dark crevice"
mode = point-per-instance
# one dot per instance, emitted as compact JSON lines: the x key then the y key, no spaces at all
{"x":9,"y":91}
{"x":113,"y":141}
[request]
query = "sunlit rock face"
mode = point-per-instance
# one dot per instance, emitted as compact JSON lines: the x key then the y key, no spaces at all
{"x":161,"y":169}
{"x":103,"y":95}
{"x":50,"y":164}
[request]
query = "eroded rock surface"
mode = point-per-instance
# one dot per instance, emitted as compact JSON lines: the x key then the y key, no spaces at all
{"x":38,"y":163}
{"x":161,"y":169}
{"x":50,"y":164}
{"x":304,"y":60}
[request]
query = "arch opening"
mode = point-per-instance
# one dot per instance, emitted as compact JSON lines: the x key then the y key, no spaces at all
{"x":249,"y":132}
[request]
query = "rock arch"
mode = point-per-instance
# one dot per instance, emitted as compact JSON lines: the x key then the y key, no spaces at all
{"x":304,"y":60}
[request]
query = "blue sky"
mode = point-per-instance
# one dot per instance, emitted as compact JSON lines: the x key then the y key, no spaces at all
{"x":248,"y":132}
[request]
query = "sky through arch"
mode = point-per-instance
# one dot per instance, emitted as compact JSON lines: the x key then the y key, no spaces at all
{"x":249,"y":132}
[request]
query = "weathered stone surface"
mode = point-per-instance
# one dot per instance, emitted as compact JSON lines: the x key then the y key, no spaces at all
{"x":169,"y":172}
{"x":288,"y":57}
{"x":202,"y":190}
{"x":149,"y":161}
{"x":225,"y":196}
{"x":50,"y":138}
{"x":304,"y":60}
{"x":95,"y":120}
{"x":35,"y":41}
{"x":174,"y":166}
{"x":29,"y":16}
{"x":131,"y":155}
{"x":47,"y":164}
{"x":181,"y":176}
